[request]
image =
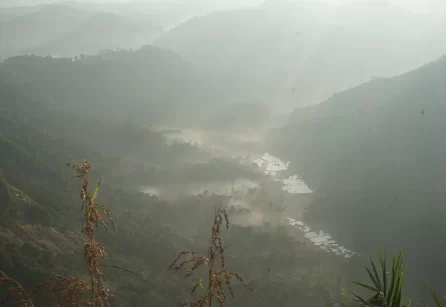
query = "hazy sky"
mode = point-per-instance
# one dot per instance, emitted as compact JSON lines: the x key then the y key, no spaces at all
{"x":421,"y":6}
{"x":416,"y":5}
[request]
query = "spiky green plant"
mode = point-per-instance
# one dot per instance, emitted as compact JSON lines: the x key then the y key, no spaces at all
{"x":383,"y":292}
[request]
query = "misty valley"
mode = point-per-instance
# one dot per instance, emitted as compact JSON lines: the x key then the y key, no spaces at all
{"x":222,"y":153}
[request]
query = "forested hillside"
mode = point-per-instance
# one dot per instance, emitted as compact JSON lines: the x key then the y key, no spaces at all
{"x":40,"y":218}
{"x":375,"y":154}
{"x":121,"y":85}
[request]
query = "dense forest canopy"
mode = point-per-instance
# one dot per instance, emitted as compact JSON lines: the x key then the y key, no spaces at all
{"x":96,"y":86}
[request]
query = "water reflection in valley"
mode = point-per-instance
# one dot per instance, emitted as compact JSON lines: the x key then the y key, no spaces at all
{"x":272,"y":166}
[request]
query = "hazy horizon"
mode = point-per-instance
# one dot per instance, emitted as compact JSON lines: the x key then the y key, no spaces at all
{"x":417,"y":6}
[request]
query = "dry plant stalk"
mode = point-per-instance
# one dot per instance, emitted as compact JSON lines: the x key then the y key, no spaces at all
{"x":218,"y":275}
{"x":74,"y":291}
{"x":66,"y":291}
{"x":71,"y":291}
{"x":15,"y":292}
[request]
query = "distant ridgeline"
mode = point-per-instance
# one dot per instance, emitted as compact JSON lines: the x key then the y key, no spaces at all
{"x":147,"y":85}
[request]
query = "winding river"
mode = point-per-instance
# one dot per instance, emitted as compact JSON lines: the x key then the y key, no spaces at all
{"x":272,"y":166}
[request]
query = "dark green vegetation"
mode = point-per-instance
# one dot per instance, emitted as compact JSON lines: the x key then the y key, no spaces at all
{"x":115,"y":84}
{"x":40,"y":225}
{"x":375,"y":155}
{"x":386,"y":287}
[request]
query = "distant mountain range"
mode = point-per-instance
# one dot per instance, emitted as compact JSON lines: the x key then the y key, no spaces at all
{"x":41,"y":26}
{"x":300,"y":53}
{"x":287,"y":54}
{"x":101,"y":31}
{"x":68,"y":30}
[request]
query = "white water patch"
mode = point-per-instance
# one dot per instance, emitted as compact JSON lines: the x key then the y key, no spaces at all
{"x":272,"y":165}
{"x":150,"y":190}
{"x":322,"y":239}
{"x":295,"y":185}
{"x":221,"y":187}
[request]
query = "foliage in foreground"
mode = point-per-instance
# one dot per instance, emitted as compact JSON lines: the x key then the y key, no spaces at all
{"x":383,"y":292}
{"x":217,"y":274}
{"x":72,"y":291}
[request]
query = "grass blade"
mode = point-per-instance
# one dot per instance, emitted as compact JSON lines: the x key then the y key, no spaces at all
{"x":384,"y":271}
{"x":376,"y":275}
{"x":344,"y":294}
{"x":437,"y":300}
{"x":375,"y":282}
{"x":366,"y":286}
